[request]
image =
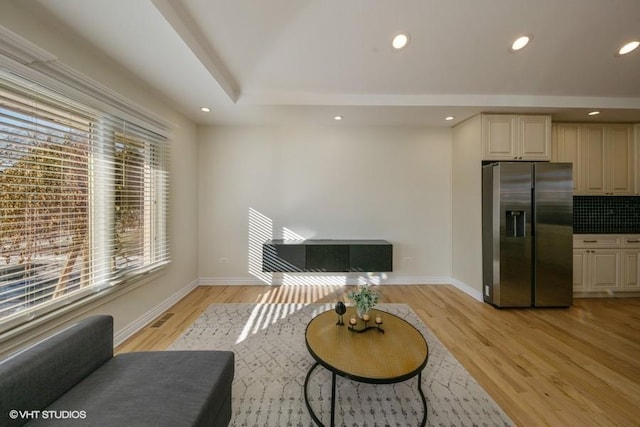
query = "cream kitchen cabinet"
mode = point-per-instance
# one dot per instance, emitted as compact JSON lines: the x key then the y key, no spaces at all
{"x":631,"y":263}
{"x":620,"y":158}
{"x":607,"y":159}
{"x":580,"y":270}
{"x":596,"y":262}
{"x":606,"y":263}
{"x":516,"y":137}
{"x":565,"y":148}
{"x":604,"y":270}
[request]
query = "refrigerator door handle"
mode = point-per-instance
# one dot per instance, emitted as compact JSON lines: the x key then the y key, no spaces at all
{"x":516,"y":222}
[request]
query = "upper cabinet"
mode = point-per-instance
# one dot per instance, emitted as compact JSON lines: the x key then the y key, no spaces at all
{"x":593,"y":162}
{"x":619,"y":160}
{"x":565,"y":149}
{"x":516,"y":137}
{"x":603,"y":156}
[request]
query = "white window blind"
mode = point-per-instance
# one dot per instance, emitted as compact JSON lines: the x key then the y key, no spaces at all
{"x":83,"y":200}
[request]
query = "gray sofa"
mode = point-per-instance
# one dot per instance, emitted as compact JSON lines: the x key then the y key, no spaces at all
{"x":73,"y":378}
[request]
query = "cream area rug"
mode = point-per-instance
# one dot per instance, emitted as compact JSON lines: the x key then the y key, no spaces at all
{"x":272,"y":361}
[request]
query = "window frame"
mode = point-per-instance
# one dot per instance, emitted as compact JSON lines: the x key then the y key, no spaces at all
{"x":107,"y":104}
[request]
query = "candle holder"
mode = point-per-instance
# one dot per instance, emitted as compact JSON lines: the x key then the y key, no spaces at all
{"x":353,"y":323}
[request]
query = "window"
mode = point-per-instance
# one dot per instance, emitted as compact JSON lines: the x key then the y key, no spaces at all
{"x":83,"y":200}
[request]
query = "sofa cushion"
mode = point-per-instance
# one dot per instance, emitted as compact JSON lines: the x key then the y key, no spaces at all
{"x":33,"y":378}
{"x":169,"y":388}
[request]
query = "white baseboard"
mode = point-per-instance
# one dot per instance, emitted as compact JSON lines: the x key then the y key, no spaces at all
{"x":340,"y":280}
{"x":324,"y":279}
{"x":230,"y":281}
{"x":417,"y":280}
{"x":133,"y":327}
{"x":467,"y":289}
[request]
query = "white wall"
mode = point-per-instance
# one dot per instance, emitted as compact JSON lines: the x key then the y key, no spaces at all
{"x":127,"y":309}
{"x":329,"y":182}
{"x":637,"y":154}
{"x":467,"y":205}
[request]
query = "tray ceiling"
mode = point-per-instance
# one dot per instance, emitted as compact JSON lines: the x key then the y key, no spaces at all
{"x":255,"y":61}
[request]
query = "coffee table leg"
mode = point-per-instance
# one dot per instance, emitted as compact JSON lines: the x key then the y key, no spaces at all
{"x":424,"y":400}
{"x":333,"y":399}
{"x":306,"y":398}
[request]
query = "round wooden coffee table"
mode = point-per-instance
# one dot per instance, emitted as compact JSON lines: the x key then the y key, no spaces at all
{"x":397,"y":354}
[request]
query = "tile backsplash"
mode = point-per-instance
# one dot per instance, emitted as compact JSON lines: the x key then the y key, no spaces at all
{"x":606,"y":214}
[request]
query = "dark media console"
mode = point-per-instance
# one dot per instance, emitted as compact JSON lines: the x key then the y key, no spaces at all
{"x":288,"y":256}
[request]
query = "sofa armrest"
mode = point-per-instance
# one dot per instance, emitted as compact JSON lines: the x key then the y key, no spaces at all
{"x":36,"y":376}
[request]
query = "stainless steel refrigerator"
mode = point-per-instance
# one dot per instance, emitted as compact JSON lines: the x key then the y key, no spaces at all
{"x":527,"y":234}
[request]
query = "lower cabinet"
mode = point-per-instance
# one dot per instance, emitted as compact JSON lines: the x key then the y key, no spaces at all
{"x":606,"y":263}
{"x":599,"y":269}
{"x":630,"y":270}
{"x":580,"y":270}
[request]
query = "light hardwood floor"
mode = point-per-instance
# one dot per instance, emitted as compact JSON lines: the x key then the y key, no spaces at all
{"x":559,"y":367}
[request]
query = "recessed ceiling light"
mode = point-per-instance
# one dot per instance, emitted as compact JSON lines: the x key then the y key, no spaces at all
{"x":400,"y":40}
{"x":205,"y":109}
{"x":593,"y":113}
{"x":449,"y":118}
{"x":520,"y":43}
{"x":629,"y":47}
{"x":337,"y":118}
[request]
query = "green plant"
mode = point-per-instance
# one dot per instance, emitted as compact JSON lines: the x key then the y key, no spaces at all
{"x":364,"y":298}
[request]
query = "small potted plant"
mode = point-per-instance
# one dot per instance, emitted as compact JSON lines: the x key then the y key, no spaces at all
{"x":364,"y":298}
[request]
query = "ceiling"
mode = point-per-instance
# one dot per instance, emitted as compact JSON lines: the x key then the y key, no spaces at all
{"x":306,"y":61}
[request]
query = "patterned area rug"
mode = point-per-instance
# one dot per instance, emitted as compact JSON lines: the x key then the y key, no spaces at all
{"x":272,"y":361}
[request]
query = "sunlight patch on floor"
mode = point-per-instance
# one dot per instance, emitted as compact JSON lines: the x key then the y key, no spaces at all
{"x":265,"y":314}
{"x":270,"y":307}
